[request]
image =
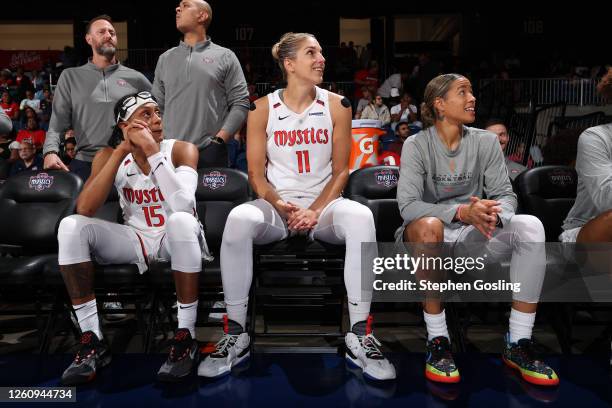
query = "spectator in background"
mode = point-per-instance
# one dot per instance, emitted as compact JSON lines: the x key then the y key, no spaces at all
{"x":377,"y":110}
{"x":32,"y":133}
{"x":27,"y":113}
{"x":393,"y":81}
{"x":23,"y":83}
{"x":402,"y":132}
{"x":6,"y":79}
{"x":498,"y":127}
{"x":85,"y":98}
{"x":365,"y":56}
{"x":46,"y":107}
{"x":30,"y":101}
{"x":363,"y":102}
{"x":28,"y":159}
{"x":69,"y":150}
{"x":253,"y":94}
{"x":210,"y":106}
{"x":405,"y":111}
{"x":9,"y":107}
{"x":366,"y":77}
{"x":37,"y":80}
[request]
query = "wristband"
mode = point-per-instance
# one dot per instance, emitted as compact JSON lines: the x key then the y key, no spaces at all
{"x":51,"y":152}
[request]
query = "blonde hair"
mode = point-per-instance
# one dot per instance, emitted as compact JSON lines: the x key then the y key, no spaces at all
{"x":436,"y":88}
{"x":287,"y":47}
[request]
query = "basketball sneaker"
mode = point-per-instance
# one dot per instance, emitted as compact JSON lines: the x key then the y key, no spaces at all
{"x":363,"y":351}
{"x":92,"y":355}
{"x":439,"y":363}
{"x":520,"y":356}
{"x":182,"y":357}
{"x":231,"y":350}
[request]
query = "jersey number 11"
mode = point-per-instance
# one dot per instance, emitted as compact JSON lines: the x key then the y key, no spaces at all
{"x":303,"y":159}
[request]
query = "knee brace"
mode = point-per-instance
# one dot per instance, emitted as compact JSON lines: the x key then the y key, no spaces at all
{"x":182,"y":232}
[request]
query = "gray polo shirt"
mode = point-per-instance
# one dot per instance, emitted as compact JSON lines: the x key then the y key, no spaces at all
{"x":434,"y":180}
{"x":594,"y":168}
{"x":200,"y":91}
{"x":84,"y":100}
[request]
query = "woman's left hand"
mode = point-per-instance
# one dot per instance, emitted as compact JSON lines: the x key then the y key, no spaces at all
{"x":304,"y":219}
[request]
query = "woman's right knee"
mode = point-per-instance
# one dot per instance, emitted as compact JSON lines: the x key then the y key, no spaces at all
{"x":242,"y":220}
{"x":425,"y":230}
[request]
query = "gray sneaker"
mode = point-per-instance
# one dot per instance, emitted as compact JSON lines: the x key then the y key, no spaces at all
{"x":231,"y":350}
{"x":182,"y":358}
{"x":92,"y":355}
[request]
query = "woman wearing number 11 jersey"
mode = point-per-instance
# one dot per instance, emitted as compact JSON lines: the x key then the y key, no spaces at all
{"x":298,"y":151}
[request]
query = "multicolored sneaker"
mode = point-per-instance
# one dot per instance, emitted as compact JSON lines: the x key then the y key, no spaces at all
{"x":439,"y":363}
{"x":362,"y":351}
{"x":92,"y":355}
{"x":521,"y":357}
{"x":182,"y":358}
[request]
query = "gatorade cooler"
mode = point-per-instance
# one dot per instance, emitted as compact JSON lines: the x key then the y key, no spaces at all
{"x":364,"y":149}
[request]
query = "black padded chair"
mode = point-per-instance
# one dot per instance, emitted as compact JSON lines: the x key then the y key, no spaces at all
{"x":32,"y":204}
{"x":548,"y":192}
{"x":376,"y":188}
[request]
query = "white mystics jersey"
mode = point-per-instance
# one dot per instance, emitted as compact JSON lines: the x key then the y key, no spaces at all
{"x":143,"y":205}
{"x":299,"y":148}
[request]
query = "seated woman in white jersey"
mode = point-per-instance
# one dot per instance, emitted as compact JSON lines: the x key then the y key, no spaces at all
{"x":445,"y":170}
{"x":156,"y":180}
{"x":298,"y":151}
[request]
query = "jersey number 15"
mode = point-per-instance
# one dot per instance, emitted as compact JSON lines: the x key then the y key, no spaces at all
{"x":153,"y":218}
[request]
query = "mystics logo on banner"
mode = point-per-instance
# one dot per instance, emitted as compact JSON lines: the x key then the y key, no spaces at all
{"x":214,"y":180}
{"x":41,"y":181}
{"x":387,"y":178}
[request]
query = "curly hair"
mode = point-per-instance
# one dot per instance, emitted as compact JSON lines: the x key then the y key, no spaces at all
{"x":605,"y":85}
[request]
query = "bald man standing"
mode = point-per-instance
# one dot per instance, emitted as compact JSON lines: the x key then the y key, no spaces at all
{"x":200,"y":87}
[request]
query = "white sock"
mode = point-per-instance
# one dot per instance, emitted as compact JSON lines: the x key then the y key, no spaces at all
{"x":187,"y":315}
{"x":436,"y":325}
{"x":521,"y":325}
{"x":87,"y":315}
{"x":237,"y":311}
{"x":358,"y":311}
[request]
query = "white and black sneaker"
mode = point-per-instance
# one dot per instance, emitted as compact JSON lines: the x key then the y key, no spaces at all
{"x":92,"y":355}
{"x":231,"y":350}
{"x":362,"y":350}
{"x":182,"y":358}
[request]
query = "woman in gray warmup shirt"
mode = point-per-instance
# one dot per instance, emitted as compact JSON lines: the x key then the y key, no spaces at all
{"x":590,"y":219}
{"x":445,"y":171}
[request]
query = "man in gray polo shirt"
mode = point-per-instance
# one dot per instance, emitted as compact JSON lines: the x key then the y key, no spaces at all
{"x":85,"y":97}
{"x":200,"y":87}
